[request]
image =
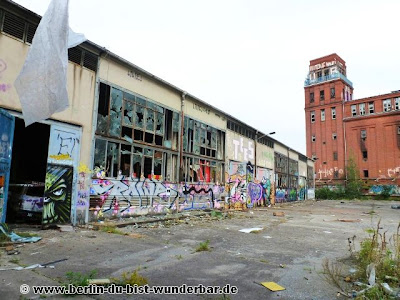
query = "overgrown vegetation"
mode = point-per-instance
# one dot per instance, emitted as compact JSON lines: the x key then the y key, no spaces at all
{"x":379,"y":255}
{"x":79,"y":279}
{"x":112,"y":229}
{"x":203,"y":246}
{"x":131,"y":278}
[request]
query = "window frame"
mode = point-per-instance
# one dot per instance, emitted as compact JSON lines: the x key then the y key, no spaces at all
{"x":387,"y":105}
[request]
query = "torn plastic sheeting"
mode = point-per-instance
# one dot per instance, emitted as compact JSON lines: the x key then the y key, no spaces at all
{"x":248,"y":230}
{"x":16,"y":238}
{"x":46,"y":265}
{"x":42,"y":83}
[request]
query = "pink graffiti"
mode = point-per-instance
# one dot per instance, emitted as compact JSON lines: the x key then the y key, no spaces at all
{"x":4,"y":87}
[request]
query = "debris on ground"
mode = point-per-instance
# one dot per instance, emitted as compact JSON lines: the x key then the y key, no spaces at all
{"x":65,"y":228}
{"x":272,"y":286}
{"x":34,"y":266}
{"x":349,"y":221}
{"x":396,"y":206}
{"x":103,"y":281}
{"x":18,"y":239}
{"x":254,"y":229}
{"x":279,"y":214}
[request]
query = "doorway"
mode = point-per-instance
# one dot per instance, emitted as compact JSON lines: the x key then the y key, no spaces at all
{"x":28,"y":173}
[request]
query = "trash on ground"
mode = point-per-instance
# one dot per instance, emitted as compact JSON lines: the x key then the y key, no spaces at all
{"x":267,"y":237}
{"x":248,"y":230}
{"x":100,"y":281}
{"x":396,"y":206}
{"x":279,"y":214}
{"x":350,"y":221}
{"x":327,"y":231}
{"x":273,"y":286}
{"x":282,"y":266}
{"x":371,"y":274}
{"x":16,"y":238}
{"x":391,"y":292}
{"x":65,"y":228}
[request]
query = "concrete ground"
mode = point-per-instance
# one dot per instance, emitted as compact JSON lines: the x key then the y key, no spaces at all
{"x":289,"y":251}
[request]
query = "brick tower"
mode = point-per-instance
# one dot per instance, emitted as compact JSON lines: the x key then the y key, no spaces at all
{"x":326,"y":89}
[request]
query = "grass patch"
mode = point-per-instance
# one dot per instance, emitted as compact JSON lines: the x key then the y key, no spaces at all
{"x":203,"y":246}
{"x":179,"y":257}
{"x":264,"y":261}
{"x":131,"y":278}
{"x":14,"y":261}
{"x":79,"y":279}
{"x":112,"y":229}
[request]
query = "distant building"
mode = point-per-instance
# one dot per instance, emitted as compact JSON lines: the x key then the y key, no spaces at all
{"x":339,"y":127}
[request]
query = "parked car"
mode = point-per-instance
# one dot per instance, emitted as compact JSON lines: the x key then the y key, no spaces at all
{"x":25,"y":202}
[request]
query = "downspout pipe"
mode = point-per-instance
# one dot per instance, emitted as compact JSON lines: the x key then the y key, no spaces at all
{"x":183,"y":98}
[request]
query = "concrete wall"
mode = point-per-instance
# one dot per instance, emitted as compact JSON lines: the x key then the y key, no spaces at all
{"x":239,"y":148}
{"x":133,"y":80}
{"x":81,"y":86}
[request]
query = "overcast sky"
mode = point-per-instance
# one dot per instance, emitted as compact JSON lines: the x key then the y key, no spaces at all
{"x":248,"y":58}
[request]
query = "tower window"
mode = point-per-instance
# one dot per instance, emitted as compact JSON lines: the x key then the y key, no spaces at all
{"x":366,"y":174}
{"x":335,"y":156}
{"x":334,"y":136}
{"x":363,"y":134}
{"x":333,"y":93}
{"x":322,"y":114}
{"x":361,"y":108}
{"x":397,"y":103}
{"x":354,"y":110}
{"x":365,"y":155}
{"x":371,"y":107}
{"x":313,"y":138}
{"x":312,"y":116}
{"x":333,"y":110}
{"x":322,"y":95}
{"x":387,"y":104}
{"x":312,"y":97}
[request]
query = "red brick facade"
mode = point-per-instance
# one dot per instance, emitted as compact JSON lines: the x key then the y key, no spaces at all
{"x":338,"y":127}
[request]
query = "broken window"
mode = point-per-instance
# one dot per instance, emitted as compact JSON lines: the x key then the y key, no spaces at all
{"x":103,"y":109}
{"x":201,"y":139}
{"x":115,"y":112}
{"x":128,"y":160}
{"x":202,"y":170}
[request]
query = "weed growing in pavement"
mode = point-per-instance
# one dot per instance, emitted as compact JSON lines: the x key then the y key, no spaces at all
{"x":14,"y":261}
{"x":332,"y":273}
{"x":131,"y":278}
{"x":179,"y":257}
{"x":79,"y":279}
{"x":112,"y":229}
{"x":203,"y":246}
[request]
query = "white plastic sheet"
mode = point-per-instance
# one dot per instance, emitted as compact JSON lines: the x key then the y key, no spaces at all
{"x":42,"y":83}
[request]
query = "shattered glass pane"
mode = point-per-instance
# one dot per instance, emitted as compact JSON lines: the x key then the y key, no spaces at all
{"x":159,"y":109}
{"x":112,"y":159}
{"x":214,"y":139}
{"x":175,"y":122}
{"x":130,"y":97}
{"x":101,"y":124}
{"x":160,"y":123}
{"x":136,"y":158}
{"x":115,"y":123}
{"x":151,"y":105}
{"x":203,"y":137}
{"x":100,"y":153}
{"x":149,"y":120}
{"x":139,"y":116}
{"x":140,"y":101}
{"x":128,"y":113}
{"x":138,"y":150}
{"x":148,"y":152}
{"x":115,"y":112}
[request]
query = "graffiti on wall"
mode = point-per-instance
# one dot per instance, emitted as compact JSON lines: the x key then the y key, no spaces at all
{"x":4,"y":87}
{"x":302,"y":188}
{"x":83,"y":193}
{"x":64,"y":146}
{"x":329,"y":173}
{"x":246,"y":151}
{"x":130,"y":195}
{"x":378,"y":189}
{"x":58,"y":194}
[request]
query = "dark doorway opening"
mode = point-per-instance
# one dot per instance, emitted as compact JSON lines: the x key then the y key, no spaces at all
{"x":28,"y":172}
